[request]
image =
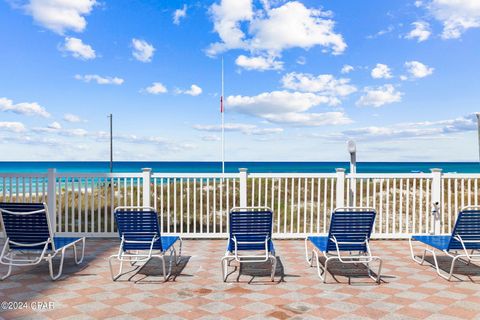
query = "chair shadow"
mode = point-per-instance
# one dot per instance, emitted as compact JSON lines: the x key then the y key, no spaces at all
{"x":337,"y":270}
{"x":258,"y":270}
{"x":153,"y":268}
{"x":461,"y":268}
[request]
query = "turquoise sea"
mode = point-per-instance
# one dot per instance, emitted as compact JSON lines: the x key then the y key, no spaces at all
{"x":199,"y":167}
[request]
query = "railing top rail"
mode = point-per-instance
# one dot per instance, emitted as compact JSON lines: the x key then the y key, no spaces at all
{"x":462,"y":175}
{"x":292,"y":175}
{"x":98,"y":175}
{"x":389,"y":175}
{"x":23,"y":175}
{"x":195,"y":175}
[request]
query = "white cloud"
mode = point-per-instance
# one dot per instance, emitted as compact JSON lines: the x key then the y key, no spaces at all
{"x":417,"y":69}
{"x":142,"y":50}
{"x":193,"y":91}
{"x":421,"y":31}
{"x":69,"y":117}
{"x":179,"y":14}
{"x":380,"y":33}
{"x":413,"y":130}
{"x":24,"y":108}
{"x":78,"y":49}
{"x":293,"y":25}
{"x":381,"y":71}
{"x":258,"y":63}
{"x":324,"y":84}
{"x":248,"y":129}
{"x":75,"y":132}
{"x":156,"y":88}
{"x":60,"y":15}
{"x":457,"y":16}
{"x":268,"y":31}
{"x":379,"y":96}
{"x":226,"y":22}
{"x":55,"y":125}
{"x":12,"y":126}
{"x":287,"y":107}
{"x":347,"y":69}
{"x":210,"y":138}
{"x":99,"y":79}
{"x":301,"y":60}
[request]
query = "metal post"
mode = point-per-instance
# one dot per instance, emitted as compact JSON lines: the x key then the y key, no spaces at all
{"x":52,"y":197}
{"x":340,"y":193}
{"x":243,"y":187}
{"x":146,"y":177}
{"x":436,"y":200}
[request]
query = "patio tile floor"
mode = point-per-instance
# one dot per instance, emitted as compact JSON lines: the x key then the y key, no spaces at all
{"x":196,"y":291}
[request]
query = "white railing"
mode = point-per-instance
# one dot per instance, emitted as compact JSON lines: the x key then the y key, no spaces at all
{"x":197,"y":205}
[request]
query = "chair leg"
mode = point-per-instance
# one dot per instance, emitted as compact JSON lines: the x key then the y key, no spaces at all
{"x":320,"y":273}
{"x":307,"y":257}
{"x":115,"y":277}
{"x":60,"y":268}
{"x":8,"y":272}
{"x":75,"y":252}
{"x":179,"y":257}
{"x":225,"y":263}
{"x":412,"y":254}
{"x":274,"y":267}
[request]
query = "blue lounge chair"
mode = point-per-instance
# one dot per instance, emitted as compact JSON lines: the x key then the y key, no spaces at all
{"x":141,"y":240}
{"x":350,"y":230}
{"x":465,"y":236}
{"x":28,"y":233}
{"x":250,"y":230}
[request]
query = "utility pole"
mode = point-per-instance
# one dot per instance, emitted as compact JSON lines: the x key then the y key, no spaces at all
{"x":111,"y":142}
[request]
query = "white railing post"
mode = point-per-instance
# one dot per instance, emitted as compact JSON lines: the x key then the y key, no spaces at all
{"x":340,"y":192}
{"x":52,"y":197}
{"x":243,"y":186}
{"x":146,"y":177}
{"x":436,"y":200}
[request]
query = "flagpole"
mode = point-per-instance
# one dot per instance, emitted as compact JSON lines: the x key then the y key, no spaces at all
{"x":222,"y":109}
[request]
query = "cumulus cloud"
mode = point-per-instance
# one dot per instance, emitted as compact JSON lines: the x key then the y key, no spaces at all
{"x":78,"y":49}
{"x":24,"y":108}
{"x":248,"y":129}
{"x":156,"y":88}
{"x":381,"y":71}
{"x":347,"y":69}
{"x":421,"y":31}
{"x":60,"y":16}
{"x":379,"y":96}
{"x":267,"y":31}
{"x":12,"y":126}
{"x":457,"y":16}
{"x":193,"y":91}
{"x":417,"y":69}
{"x":142,"y":50}
{"x":179,"y":14}
{"x":324,"y":84}
{"x":69,"y":117}
{"x":99,"y":79}
{"x":287,"y":107}
{"x":258,"y":63}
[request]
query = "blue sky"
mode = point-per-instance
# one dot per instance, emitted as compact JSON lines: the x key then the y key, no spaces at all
{"x":301,"y":78}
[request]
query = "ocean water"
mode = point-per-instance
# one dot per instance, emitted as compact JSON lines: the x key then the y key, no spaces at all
{"x":216,"y":167}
